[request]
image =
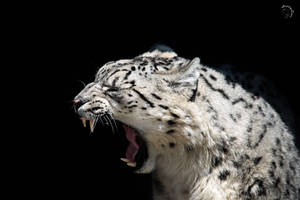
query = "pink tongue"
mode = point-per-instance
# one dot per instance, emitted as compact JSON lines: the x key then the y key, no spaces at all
{"x":133,"y":147}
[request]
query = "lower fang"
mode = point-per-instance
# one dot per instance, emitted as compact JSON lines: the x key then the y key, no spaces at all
{"x":125,"y":160}
{"x":131,"y":164}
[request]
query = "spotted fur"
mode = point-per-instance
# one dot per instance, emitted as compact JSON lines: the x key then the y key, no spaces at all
{"x":211,"y":133}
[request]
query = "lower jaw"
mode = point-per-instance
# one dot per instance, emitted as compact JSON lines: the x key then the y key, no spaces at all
{"x":141,"y":157}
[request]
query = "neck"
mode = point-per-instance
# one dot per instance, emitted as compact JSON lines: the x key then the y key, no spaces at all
{"x":176,"y":175}
{"x":200,"y":148}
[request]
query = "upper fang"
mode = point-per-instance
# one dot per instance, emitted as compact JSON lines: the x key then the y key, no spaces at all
{"x":83,"y":121}
{"x":92,"y":125}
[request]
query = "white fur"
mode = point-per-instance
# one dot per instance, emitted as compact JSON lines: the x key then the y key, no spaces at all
{"x":224,"y":142}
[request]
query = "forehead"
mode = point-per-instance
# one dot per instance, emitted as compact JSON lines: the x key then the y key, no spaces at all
{"x":123,"y":69}
{"x":141,"y":66}
{"x":111,"y":68}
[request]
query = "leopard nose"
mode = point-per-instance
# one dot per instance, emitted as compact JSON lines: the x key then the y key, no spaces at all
{"x":78,"y":103}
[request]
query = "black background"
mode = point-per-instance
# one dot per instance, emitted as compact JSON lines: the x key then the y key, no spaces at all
{"x":72,"y":41}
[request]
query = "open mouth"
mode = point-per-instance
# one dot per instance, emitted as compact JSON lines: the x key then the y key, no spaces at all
{"x":135,"y":153}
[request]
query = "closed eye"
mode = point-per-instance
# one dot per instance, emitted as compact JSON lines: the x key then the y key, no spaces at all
{"x":114,"y":93}
{"x":111,"y":88}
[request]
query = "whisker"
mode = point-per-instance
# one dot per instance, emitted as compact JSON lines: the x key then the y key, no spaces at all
{"x":70,"y":104}
{"x":106,"y":123}
{"x":114,"y":125}
{"x":112,"y":128}
{"x":113,"y":119}
{"x":96,"y":120}
{"x":74,"y":107}
{"x":101,"y":120}
{"x":82,"y":83}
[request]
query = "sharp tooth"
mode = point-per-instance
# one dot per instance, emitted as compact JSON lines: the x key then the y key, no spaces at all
{"x":125,"y":160}
{"x":92,"y":125}
{"x":131,"y":164}
{"x":83,"y":121}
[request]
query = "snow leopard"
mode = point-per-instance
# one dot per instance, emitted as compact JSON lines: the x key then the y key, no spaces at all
{"x":204,"y":133}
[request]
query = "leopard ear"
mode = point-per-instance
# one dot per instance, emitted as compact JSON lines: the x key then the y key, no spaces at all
{"x":187,"y":76}
{"x":160,"y":50}
{"x":161,"y":47}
